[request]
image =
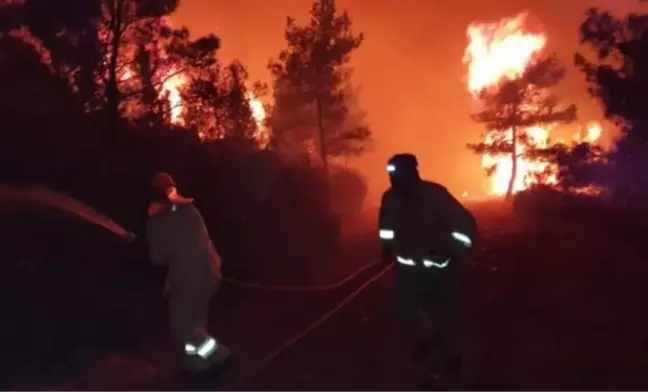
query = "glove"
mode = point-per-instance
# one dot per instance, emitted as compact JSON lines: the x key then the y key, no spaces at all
{"x":129,"y":237}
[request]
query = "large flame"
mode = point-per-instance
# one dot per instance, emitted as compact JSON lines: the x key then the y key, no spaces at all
{"x":504,"y":50}
{"x":171,"y":87}
{"x":259,"y":115}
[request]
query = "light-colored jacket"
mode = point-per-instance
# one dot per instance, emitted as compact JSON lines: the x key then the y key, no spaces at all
{"x":424,"y":222}
{"x":178,"y":238}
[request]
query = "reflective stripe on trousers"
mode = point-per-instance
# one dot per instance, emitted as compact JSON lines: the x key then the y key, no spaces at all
{"x":189,"y":309}
{"x":427,"y":263}
{"x":204,"y":350}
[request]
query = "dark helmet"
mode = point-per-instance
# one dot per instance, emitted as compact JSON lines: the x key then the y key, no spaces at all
{"x":162,"y":181}
{"x":402,"y":163}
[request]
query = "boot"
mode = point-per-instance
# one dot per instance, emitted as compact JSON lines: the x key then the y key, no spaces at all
{"x":210,"y":374}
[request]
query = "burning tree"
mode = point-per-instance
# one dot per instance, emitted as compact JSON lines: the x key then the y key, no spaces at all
{"x":512,"y":85}
{"x":512,"y":109}
{"x":121,"y":58}
{"x":219,"y":104}
{"x":311,"y":78}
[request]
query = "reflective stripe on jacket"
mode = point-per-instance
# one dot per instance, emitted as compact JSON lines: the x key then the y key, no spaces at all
{"x":429,"y":220}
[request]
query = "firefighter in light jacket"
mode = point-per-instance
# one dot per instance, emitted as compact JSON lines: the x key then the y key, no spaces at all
{"x":178,"y":238}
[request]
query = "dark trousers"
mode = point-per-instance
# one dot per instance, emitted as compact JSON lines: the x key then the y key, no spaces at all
{"x":426,"y":302}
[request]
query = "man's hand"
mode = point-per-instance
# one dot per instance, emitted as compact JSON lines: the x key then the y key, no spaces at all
{"x":129,"y":237}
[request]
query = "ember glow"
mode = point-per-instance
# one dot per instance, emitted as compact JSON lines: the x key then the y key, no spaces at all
{"x":504,"y":50}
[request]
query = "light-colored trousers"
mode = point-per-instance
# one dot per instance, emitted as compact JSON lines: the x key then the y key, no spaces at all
{"x":189,"y":310}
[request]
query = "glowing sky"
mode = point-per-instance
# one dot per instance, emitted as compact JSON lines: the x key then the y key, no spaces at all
{"x":410,"y":69}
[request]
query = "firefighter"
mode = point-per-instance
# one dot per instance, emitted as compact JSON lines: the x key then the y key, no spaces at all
{"x":178,"y":239}
{"x":427,"y":232}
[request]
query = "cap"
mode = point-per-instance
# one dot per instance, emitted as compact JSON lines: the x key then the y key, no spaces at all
{"x":160,"y":185}
{"x":162,"y":181}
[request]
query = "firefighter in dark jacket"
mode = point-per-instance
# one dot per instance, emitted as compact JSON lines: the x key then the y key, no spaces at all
{"x":178,"y":239}
{"x":426,"y":231}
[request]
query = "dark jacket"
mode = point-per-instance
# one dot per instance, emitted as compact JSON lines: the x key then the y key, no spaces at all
{"x":424,"y":222}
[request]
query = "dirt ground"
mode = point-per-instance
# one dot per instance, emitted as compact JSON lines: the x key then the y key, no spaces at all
{"x":546,"y":304}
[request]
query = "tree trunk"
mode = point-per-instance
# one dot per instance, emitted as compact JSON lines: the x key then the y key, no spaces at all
{"x":112,"y":87}
{"x":511,"y":185}
{"x":322,"y":135}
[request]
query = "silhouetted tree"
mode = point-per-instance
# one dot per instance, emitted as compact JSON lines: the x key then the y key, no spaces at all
{"x":311,"y":75}
{"x":121,"y":21}
{"x":220,"y":103}
{"x":575,"y":167}
{"x":618,"y":78}
{"x":239,"y":121}
{"x":164,"y":54}
{"x":68,"y":31}
{"x":93,"y":45}
{"x":353,"y":136}
{"x":508,"y":109}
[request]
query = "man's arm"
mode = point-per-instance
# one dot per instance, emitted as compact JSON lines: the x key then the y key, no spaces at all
{"x":386,"y":231}
{"x":155,"y":246}
{"x":463,"y":222}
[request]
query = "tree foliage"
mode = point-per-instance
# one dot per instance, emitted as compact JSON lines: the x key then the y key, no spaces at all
{"x":508,"y":109}
{"x":617,"y":73}
{"x":575,"y":167}
{"x":312,"y":85}
{"x":220,"y":106}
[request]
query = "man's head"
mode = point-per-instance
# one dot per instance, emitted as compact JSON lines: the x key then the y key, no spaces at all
{"x":403,"y":171}
{"x":164,"y":190}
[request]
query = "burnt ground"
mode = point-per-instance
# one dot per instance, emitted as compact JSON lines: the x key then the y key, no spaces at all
{"x":546,"y":304}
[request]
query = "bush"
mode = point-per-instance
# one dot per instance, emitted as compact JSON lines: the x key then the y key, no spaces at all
{"x":597,"y":211}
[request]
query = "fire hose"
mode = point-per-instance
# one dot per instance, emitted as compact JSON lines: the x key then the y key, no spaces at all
{"x":243,"y":377}
{"x":327,"y":287}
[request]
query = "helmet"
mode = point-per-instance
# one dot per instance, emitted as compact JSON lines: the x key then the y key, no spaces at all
{"x":402,"y":162}
{"x":162,"y":181}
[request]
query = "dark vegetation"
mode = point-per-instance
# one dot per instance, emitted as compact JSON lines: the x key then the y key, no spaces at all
{"x":85,"y":110}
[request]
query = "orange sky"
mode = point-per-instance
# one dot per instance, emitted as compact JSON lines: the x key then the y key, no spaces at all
{"x":409,"y":68}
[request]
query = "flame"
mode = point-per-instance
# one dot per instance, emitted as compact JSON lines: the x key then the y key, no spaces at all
{"x":499,"y":50}
{"x":173,"y":83}
{"x":259,"y":115}
{"x":594,"y":132}
{"x":503,"y":50}
{"x":171,"y":90}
